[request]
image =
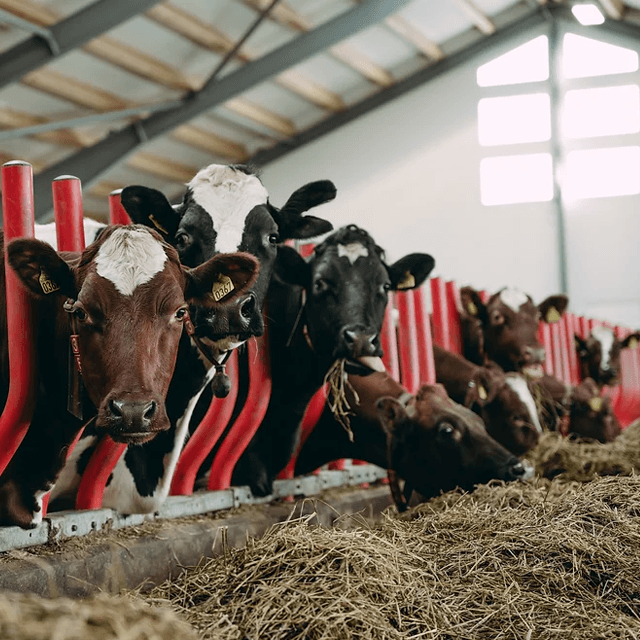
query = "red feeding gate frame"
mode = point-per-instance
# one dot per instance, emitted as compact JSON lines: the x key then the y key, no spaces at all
{"x":18,"y":217}
{"x":445,"y":300}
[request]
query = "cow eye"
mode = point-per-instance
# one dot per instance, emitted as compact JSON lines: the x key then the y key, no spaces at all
{"x":445,"y":430}
{"x":182,"y":240}
{"x":80,"y":313}
{"x":274,"y":238}
{"x":320,"y":285}
{"x":181,"y":314}
{"x":386,"y":287}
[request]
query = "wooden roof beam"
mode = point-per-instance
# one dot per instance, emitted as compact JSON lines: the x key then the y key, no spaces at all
{"x":211,"y":143}
{"x":614,"y":9}
{"x":409,"y":33}
{"x":479,"y":19}
{"x":162,"y":167}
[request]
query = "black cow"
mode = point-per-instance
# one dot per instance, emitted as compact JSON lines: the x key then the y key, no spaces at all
{"x":223,"y":206}
{"x":329,"y":308}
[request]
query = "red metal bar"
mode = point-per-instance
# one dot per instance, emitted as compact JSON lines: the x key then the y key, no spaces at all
{"x":453,"y":313}
{"x":441,"y":335}
{"x":250,"y":417}
{"x":337,"y":465}
{"x":67,"y":209}
{"x":117,"y":213}
{"x":544,"y":336}
{"x":206,"y":435}
{"x":572,"y":328}
{"x":626,"y":404}
{"x":309,"y":421}
{"x":389,"y":341}
{"x":408,"y":342}
{"x":18,"y":216}
{"x":426,"y":363}
{"x":95,"y":476}
{"x":556,"y":350}
{"x":484,"y":296}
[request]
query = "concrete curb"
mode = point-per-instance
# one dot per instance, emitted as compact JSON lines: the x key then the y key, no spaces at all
{"x":110,"y":562}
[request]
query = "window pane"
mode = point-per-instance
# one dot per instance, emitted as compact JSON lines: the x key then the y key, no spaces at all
{"x":597,"y":173}
{"x":587,"y":14}
{"x":527,"y":63}
{"x":584,"y":57}
{"x":525,"y":118}
{"x":601,"y":112}
{"x":512,"y":179}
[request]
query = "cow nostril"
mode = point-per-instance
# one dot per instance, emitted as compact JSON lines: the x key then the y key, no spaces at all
{"x":248,"y":307}
{"x":116,"y":407}
{"x":350,"y":336}
{"x":517,"y":470}
{"x":150,"y":410}
{"x":372,"y":338}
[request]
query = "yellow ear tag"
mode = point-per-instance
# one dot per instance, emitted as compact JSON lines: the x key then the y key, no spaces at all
{"x":222,"y":287}
{"x":47,"y":285}
{"x":408,"y":282}
{"x":472,"y":309}
{"x":552,"y":315}
{"x":482,"y":392}
{"x":158,"y":226}
{"x":633,"y":343}
{"x":596,"y":404}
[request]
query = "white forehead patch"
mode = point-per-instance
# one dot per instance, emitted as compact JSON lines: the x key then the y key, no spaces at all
{"x":605,"y":337}
{"x":519,"y":385}
{"x":513,"y":298}
{"x":352,"y":251}
{"x":227,"y":196}
{"x":130,"y":257}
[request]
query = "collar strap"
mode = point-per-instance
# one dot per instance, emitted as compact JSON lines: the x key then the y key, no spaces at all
{"x":74,"y":382}
{"x":401,"y":497}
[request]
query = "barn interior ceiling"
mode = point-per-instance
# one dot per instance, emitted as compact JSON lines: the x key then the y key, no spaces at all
{"x":118,"y":92}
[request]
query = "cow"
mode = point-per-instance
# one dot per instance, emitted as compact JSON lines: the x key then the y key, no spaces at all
{"x":428,"y":440}
{"x":47,"y":232}
{"x":327,"y":309}
{"x":122,"y":305}
{"x":505,"y":329}
{"x":599,"y":354}
{"x":503,"y":401}
{"x":224,"y":206}
{"x":579,"y":410}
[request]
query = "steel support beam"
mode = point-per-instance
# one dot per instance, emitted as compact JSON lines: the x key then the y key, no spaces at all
{"x":66,"y":35}
{"x":89,"y":163}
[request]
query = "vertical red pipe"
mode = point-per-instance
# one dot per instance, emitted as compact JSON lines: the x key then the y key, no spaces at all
{"x":18,"y":216}
{"x":572,"y":329}
{"x":452,"y":295}
{"x":67,"y":209}
{"x":408,"y":342}
{"x":250,"y":417}
{"x":117,"y":213}
{"x":206,"y":435}
{"x":544,"y":336}
{"x":439,"y":314}
{"x":426,"y":363}
{"x":389,"y":341}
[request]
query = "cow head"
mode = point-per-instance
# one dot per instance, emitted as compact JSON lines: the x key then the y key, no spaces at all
{"x":508,"y":325}
{"x":600,"y":354}
{"x":226,"y":208}
{"x":127,"y":295}
{"x":437,"y":445}
{"x":591,"y":415}
{"x":347,"y":283}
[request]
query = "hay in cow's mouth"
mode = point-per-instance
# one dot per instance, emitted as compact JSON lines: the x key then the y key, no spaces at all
{"x":521,"y":560}
{"x":338,"y":382}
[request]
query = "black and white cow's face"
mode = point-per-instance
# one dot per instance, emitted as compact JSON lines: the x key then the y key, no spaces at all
{"x":227,"y":206}
{"x":347,"y":284}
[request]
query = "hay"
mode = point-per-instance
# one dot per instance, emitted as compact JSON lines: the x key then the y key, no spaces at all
{"x":29,"y":617}
{"x":583,"y":460}
{"x":338,"y":382}
{"x":527,"y":561}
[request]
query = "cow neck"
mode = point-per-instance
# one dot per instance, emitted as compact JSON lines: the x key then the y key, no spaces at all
{"x":401,"y":497}
{"x":220,"y":384}
{"x":74,"y":384}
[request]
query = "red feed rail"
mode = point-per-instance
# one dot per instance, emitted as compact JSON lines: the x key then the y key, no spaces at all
{"x":206,"y":435}
{"x":408,"y":342}
{"x":67,"y":209}
{"x":571,"y":328}
{"x":18,"y":216}
{"x":117,"y":213}
{"x":426,"y":363}
{"x":453,"y":311}
{"x":389,"y":341}
{"x":250,"y":417}
{"x":439,"y":314}
{"x":544,"y":336}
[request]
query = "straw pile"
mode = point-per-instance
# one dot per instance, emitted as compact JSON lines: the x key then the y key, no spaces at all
{"x":29,"y":617}
{"x":583,"y":460}
{"x":524,"y":560}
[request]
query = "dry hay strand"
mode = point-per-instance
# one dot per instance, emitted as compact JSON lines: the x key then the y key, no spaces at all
{"x":338,"y":383}
{"x":583,"y":460}
{"x":545,"y":560}
{"x":30,"y":617}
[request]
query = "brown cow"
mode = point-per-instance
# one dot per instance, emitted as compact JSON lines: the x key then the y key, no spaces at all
{"x":505,"y":329}
{"x":125,"y":297}
{"x":430,"y":441}
{"x":503,"y":401}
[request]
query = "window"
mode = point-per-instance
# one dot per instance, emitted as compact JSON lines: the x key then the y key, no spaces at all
{"x":587,"y":14}
{"x":527,"y":63}
{"x":584,"y":57}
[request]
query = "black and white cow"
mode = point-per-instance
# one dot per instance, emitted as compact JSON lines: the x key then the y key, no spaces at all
{"x":328,"y":308}
{"x":224,"y":206}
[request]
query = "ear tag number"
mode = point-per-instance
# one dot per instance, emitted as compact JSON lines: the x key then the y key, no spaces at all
{"x":158,"y":226}
{"x":482,"y":392}
{"x":633,"y":343}
{"x":596,"y":404}
{"x":222,"y":287}
{"x":47,"y":285}
{"x":552,"y":315}
{"x":472,"y":309}
{"x":408,"y":283}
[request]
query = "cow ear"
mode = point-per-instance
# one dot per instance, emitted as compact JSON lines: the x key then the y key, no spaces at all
{"x":390,"y":413}
{"x":484,"y":389}
{"x":411,"y":271}
{"x":631,"y":341}
{"x":221,"y":279}
{"x":471,"y":304}
{"x":553,"y":307}
{"x":40,"y":269}
{"x":151,"y":208}
{"x":292,"y":268}
{"x":581,"y":346}
{"x":292,"y":224}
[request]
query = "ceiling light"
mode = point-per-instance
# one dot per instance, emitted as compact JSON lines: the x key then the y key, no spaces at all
{"x":587,"y":14}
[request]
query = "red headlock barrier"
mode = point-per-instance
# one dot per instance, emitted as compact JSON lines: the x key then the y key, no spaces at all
{"x":117,"y":213}
{"x":445,"y":301}
{"x":18,"y":216}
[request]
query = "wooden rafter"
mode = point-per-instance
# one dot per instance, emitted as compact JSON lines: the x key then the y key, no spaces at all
{"x":479,"y":19}
{"x":104,"y":188}
{"x":208,"y":37}
{"x":420,"y":41}
{"x":615,"y":9}
{"x":210,"y":142}
{"x":162,"y":167}
{"x":267,"y":118}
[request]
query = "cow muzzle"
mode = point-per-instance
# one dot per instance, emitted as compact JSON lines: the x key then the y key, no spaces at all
{"x":241,"y":319}
{"x":357,"y":341}
{"x":133,"y":420}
